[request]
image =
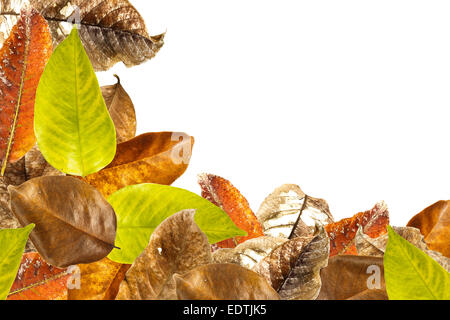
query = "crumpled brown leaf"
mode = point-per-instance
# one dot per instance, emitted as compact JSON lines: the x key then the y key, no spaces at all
{"x":288,"y":212}
{"x":176,"y":246}
{"x":293,"y":268}
{"x":158,"y":157}
{"x":375,"y":247}
{"x":99,"y":280}
{"x":248,"y":253}
{"x":121,"y":109}
{"x":223,"y":282}
{"x":342,"y":233}
{"x":73,"y":222}
{"x":111,"y":30}
{"x":354,"y":278}
{"x":434,"y":223}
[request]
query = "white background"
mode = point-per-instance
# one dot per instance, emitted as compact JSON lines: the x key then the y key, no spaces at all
{"x":348,"y":99}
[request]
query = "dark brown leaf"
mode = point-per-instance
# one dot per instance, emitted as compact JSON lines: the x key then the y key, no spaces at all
{"x":288,"y":213}
{"x":74,"y":223}
{"x":121,"y":109}
{"x":353,"y":277}
{"x":293,"y":268}
{"x":223,"y":282}
{"x":176,"y":246}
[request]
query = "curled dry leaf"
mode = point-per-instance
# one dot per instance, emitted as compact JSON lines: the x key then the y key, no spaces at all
{"x":99,"y":280}
{"x":248,"y":253}
{"x":37,"y":280}
{"x":121,"y":109}
{"x":287,"y":212}
{"x":375,"y":247}
{"x":434,"y":223}
{"x":223,"y":282}
{"x":176,"y":246}
{"x":24,"y":55}
{"x":224,"y":195}
{"x":342,"y":233}
{"x":293,"y":268}
{"x":353,"y":277}
{"x":74,"y":223}
{"x":149,"y":158}
{"x":111,"y":30}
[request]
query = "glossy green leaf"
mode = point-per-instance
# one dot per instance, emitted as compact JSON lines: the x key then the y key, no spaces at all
{"x":12,"y":245}
{"x":411,"y":274}
{"x":141,"y":208}
{"x":73,"y":128}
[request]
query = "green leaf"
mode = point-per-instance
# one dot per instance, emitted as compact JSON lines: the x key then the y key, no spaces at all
{"x":141,"y":208}
{"x":73,"y":128}
{"x":12,"y":245}
{"x":411,"y":274}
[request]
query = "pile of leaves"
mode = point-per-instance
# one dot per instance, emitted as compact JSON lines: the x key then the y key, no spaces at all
{"x":87,"y":210}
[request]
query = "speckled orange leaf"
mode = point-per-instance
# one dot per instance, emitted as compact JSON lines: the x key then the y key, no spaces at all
{"x":223,"y":194}
{"x":342,"y":233}
{"x":22,"y":60}
{"x":159,"y":157}
{"x":434,"y":224}
{"x":99,"y":280}
{"x":37,"y":280}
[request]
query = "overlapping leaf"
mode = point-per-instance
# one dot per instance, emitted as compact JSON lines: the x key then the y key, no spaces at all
{"x":293,"y":268}
{"x":99,"y":280}
{"x":73,"y":128}
{"x":354,"y":278}
{"x":176,"y":246}
{"x":121,"y":109}
{"x":111,"y":30}
{"x":411,"y":274}
{"x":248,"y":253}
{"x":12,"y":244}
{"x":24,"y":56}
{"x":434,"y":223}
{"x":223,"y":282}
{"x":37,"y":280}
{"x":224,"y":195}
{"x":74,"y":223}
{"x":141,"y":208}
{"x":342,"y":233}
{"x":287,"y":212}
{"x":159,"y":157}
{"x":376,"y":247}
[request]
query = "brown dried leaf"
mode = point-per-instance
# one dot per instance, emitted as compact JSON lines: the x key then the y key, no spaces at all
{"x":99,"y":280}
{"x":293,"y":268}
{"x":159,"y":157}
{"x":434,"y":223}
{"x":223,"y":194}
{"x":342,"y":233}
{"x":36,"y":165}
{"x":375,"y":247}
{"x":248,"y":253}
{"x":74,"y":223}
{"x":121,"y":109}
{"x":353,"y":277}
{"x":287,"y":212}
{"x":223,"y":282}
{"x":176,"y":246}
{"x":111,"y":30}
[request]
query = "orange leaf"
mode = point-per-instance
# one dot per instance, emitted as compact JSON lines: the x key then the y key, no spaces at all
{"x":37,"y":280}
{"x":22,"y":60}
{"x":224,"y":195}
{"x":342,"y":233}
{"x":157,"y":157}
{"x":434,"y":224}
